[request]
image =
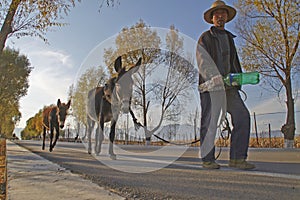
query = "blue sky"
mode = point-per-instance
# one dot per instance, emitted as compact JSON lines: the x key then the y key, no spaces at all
{"x":56,"y":65}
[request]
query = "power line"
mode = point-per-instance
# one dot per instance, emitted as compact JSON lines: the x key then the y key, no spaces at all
{"x":273,"y":113}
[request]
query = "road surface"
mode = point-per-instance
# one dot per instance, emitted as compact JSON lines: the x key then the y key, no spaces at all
{"x":148,"y":173}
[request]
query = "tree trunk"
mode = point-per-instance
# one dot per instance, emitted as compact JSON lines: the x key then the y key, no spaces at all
{"x":288,"y":129}
{"x":6,"y":28}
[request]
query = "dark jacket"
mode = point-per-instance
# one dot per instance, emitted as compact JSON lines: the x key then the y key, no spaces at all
{"x":208,"y":40}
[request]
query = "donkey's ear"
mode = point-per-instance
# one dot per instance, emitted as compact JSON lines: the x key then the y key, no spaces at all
{"x":69,"y":104}
{"x":58,"y":103}
{"x":118,"y":64}
{"x":139,"y":62}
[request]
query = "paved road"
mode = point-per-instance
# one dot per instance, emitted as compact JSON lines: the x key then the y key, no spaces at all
{"x":277,"y":175}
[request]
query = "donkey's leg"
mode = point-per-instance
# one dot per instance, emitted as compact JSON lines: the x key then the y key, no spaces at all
{"x":90,"y":127}
{"x":89,"y":135}
{"x":51,"y":138}
{"x":97,"y":145}
{"x":100,"y":137}
{"x":44,"y":136}
{"x":56,"y":137}
{"x":111,"y":139}
{"x":101,"y":133}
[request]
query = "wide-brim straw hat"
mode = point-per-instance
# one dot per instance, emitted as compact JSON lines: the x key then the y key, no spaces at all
{"x":219,"y":5}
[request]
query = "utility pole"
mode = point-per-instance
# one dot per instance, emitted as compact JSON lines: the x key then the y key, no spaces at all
{"x":255,"y":127}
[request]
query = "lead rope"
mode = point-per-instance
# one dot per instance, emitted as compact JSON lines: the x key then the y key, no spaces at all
{"x":178,"y":144}
{"x":225,"y":127}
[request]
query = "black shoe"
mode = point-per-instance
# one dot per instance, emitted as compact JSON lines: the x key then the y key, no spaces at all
{"x":241,"y":164}
{"x":210,"y":165}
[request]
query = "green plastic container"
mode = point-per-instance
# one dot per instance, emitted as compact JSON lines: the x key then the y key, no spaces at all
{"x":236,"y":79}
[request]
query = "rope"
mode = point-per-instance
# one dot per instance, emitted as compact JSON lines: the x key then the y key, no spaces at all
{"x":244,"y":93}
{"x":178,"y":144}
{"x":226,"y":127}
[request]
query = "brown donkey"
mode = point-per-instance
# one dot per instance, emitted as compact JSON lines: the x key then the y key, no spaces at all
{"x":54,"y":118}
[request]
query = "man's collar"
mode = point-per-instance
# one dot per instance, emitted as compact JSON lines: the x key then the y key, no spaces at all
{"x":214,"y":31}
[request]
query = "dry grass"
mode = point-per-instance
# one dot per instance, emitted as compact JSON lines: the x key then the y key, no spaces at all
{"x":260,"y":143}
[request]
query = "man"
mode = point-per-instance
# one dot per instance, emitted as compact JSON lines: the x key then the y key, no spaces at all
{"x":219,"y":44}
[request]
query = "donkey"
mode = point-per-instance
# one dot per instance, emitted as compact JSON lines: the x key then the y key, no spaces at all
{"x":105,"y":103}
{"x":54,"y":118}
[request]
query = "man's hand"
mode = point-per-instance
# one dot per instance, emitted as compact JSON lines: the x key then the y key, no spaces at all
{"x":217,"y":80}
{"x":215,"y":83}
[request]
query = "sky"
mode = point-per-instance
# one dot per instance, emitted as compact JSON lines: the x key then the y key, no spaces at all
{"x":56,"y":64}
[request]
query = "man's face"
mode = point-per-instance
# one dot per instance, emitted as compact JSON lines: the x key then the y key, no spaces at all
{"x":219,"y":18}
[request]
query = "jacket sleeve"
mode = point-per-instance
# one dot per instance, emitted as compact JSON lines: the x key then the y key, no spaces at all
{"x":206,"y":65}
{"x":236,"y":66}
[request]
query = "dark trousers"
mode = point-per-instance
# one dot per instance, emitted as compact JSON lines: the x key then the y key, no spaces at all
{"x":212,"y":105}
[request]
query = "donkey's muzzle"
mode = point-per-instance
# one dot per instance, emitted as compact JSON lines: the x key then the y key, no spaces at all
{"x":61,"y":126}
{"x":125,"y":106}
{"x":125,"y":110}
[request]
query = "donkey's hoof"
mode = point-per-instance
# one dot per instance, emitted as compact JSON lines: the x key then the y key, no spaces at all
{"x":89,"y":151}
{"x":113,"y":156}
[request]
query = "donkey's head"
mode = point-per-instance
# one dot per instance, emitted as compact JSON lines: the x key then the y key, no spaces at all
{"x":122,"y":85}
{"x":62,"y":111}
{"x":109,"y":88}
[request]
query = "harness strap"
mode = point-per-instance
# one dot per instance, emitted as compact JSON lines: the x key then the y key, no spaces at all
{"x":46,"y":126}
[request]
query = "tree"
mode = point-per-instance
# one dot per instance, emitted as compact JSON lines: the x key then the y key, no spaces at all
{"x":180,"y":75}
{"x":9,"y":117}
{"x":33,"y":17}
{"x":194,"y":118}
{"x":271,"y":32}
{"x":133,"y":43}
{"x":34,"y":126}
{"x":14,"y":73}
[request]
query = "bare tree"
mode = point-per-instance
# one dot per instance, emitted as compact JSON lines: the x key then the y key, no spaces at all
{"x":271,"y":31}
{"x":194,"y":119}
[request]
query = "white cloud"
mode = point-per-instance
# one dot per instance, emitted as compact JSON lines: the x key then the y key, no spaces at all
{"x":269,"y":106}
{"x":53,"y":72}
{"x":54,"y":58}
{"x":272,"y":103}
